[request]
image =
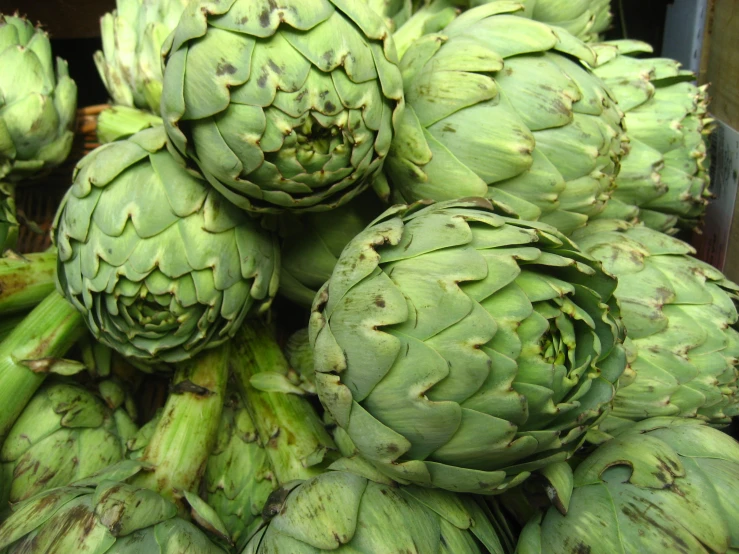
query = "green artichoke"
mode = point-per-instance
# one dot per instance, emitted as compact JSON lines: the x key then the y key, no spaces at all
{"x":342,"y":511}
{"x":313,"y":242}
{"x":118,"y":122}
{"x":586,"y":19}
{"x":38,"y":102}
{"x":64,"y":434}
{"x":283,"y":104}
{"x":160,"y":265}
{"x":681,"y":319}
{"x":667,"y":485}
{"x":267,"y":439}
{"x":130,"y":63}
{"x":664,"y":178}
{"x":102,"y":514}
{"x":463,"y":350}
{"x":8,"y":220}
{"x":137,"y":506}
{"x":499,"y":107}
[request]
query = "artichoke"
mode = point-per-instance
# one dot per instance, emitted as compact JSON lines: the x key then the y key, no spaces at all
{"x":666,"y":485}
{"x":313,"y":242}
{"x":586,"y":19}
{"x":664,"y":178}
{"x":137,"y":506}
{"x":681,"y":319}
{"x":344,"y":511}
{"x":462,"y":349}
{"x":282,"y":104}
{"x":38,"y":102}
{"x":159,"y":264}
{"x":8,"y":220}
{"x":499,"y":107}
{"x":130,"y":63}
{"x":64,"y":434}
{"x":267,"y":439}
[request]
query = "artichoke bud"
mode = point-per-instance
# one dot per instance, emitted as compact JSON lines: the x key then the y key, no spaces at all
{"x":104,"y":512}
{"x":664,"y":178}
{"x":274,"y":111}
{"x":130,"y":63}
{"x":339,"y":509}
{"x":160,"y":265}
{"x":667,"y":484}
{"x":681,"y":318}
{"x":64,"y":434}
{"x":517,"y":119}
{"x":39,"y":102}
{"x":516,"y":330}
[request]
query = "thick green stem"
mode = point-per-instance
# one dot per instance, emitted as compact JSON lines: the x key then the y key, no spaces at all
{"x":26,"y":355}
{"x":25,"y":280}
{"x":296,"y":440}
{"x":188,"y":428}
{"x":8,"y":323}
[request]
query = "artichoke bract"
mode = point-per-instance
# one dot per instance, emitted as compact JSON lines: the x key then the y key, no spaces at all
{"x":158,"y":262}
{"x":586,"y":19}
{"x":394,"y":12}
{"x":130,"y":63}
{"x":341,"y":510}
{"x":64,"y":434}
{"x":38,"y":102}
{"x":667,"y":485}
{"x":681,"y":318}
{"x":283,"y":105}
{"x":313,"y":242}
{"x":498,"y":106}
{"x":664,"y":177}
{"x":461,"y":349}
{"x":8,"y":219}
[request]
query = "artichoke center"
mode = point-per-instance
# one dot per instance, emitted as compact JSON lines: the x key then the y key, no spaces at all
{"x":315,"y":138}
{"x":553,"y":348}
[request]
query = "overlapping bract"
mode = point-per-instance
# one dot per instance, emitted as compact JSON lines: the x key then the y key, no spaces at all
{"x":586,"y":19}
{"x":664,"y":177}
{"x":313,"y":242}
{"x":342,"y":510}
{"x":102,"y":513}
{"x":38,"y":102}
{"x":463,"y":350}
{"x":64,"y":434}
{"x":284,"y":104}
{"x":667,"y":485}
{"x":8,"y":219}
{"x":498,"y":106}
{"x":680,"y":316}
{"x":394,"y":12}
{"x":160,"y":264}
{"x":130,"y":63}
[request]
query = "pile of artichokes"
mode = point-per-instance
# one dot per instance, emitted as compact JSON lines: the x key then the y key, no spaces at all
{"x":364,"y":276}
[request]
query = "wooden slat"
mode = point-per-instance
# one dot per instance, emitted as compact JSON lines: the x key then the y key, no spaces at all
{"x":63,"y":18}
{"x":721,"y":60}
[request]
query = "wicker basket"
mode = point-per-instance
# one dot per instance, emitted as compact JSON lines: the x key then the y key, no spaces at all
{"x":37,"y":203}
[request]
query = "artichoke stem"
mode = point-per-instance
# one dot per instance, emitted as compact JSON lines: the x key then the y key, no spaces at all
{"x":25,"y":280}
{"x":295,"y":438}
{"x":45,"y":333}
{"x":188,"y":428}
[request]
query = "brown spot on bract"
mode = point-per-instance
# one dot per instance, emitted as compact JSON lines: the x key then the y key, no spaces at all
{"x":224,"y":68}
{"x":379,"y":301}
{"x":330,"y":107}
